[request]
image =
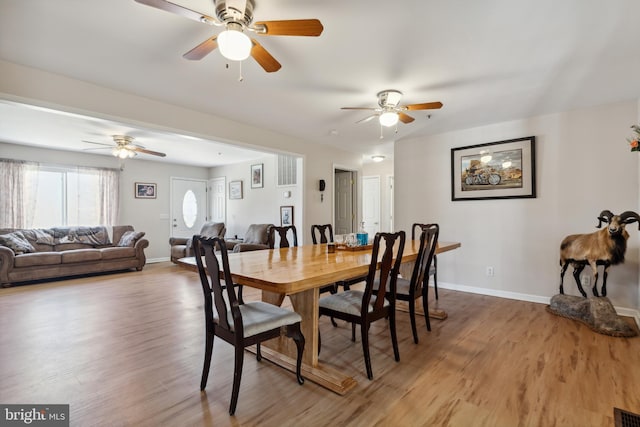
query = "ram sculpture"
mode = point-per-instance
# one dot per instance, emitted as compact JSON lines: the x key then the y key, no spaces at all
{"x":603,"y":247}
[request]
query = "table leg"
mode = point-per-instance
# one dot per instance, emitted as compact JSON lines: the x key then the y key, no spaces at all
{"x":282,"y":351}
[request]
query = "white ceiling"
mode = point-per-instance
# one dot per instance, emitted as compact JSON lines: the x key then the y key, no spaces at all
{"x":486,"y":61}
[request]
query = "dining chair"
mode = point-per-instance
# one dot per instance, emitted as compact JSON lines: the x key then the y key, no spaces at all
{"x":283,"y":232}
{"x":365,"y":307}
{"x":241,"y":325}
{"x":322,"y":231}
{"x":433,"y":270}
{"x":418,"y":285}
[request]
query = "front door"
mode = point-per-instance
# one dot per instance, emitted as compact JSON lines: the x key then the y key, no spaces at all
{"x":188,"y":206}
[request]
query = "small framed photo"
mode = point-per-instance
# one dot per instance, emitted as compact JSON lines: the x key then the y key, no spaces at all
{"x":257,"y":176}
{"x":286,"y":215}
{"x":235,"y":190}
{"x":495,"y":170}
{"x":145,"y":190}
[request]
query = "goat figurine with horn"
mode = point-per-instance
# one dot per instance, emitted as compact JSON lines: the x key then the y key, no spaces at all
{"x":603,"y":247}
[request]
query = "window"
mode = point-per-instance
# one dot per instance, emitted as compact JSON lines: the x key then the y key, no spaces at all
{"x":48,"y":196}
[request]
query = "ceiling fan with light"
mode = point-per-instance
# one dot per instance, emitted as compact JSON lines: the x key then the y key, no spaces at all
{"x":124,"y":147}
{"x":389,"y":112}
{"x":237,"y":17}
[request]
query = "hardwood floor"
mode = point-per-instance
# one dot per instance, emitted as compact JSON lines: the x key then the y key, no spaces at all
{"x":127,"y":350}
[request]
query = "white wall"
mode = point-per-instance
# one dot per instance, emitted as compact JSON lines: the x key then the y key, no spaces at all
{"x":583,"y":165}
{"x":259,"y":205}
{"x":148,"y":215}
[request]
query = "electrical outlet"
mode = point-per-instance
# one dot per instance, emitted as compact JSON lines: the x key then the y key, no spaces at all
{"x":585,"y":280}
{"x":489,"y":271}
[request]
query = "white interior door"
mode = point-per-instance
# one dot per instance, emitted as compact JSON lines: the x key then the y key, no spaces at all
{"x":218,"y":198}
{"x":371,"y":204}
{"x":344,"y":214}
{"x":188,"y":206}
{"x":391,"y":225}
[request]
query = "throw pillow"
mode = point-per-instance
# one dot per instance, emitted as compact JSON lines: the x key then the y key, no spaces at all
{"x":16,"y":242}
{"x":129,"y":238}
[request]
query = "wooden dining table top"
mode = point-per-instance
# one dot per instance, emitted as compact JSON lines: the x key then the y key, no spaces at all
{"x":296,"y":269}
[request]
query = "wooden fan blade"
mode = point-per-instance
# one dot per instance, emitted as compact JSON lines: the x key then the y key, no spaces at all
{"x":425,"y":106}
{"x":405,"y":118}
{"x":366,"y":119}
{"x":202,"y":50}
{"x":97,"y":143}
{"x":292,"y":27}
{"x":357,"y":108}
{"x":264,"y":58}
{"x":178,"y":10}
{"x":145,"y":151}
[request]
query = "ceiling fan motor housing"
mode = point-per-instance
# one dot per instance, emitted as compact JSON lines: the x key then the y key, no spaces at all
{"x":229,"y":13}
{"x":389,"y":98}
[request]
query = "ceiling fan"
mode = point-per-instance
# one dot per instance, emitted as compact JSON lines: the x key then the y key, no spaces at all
{"x":389,"y":112}
{"x":237,"y":16}
{"x":124,"y":147}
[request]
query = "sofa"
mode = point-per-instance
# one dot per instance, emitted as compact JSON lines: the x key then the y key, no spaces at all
{"x":36,"y":254}
{"x":256,"y":238}
{"x":181,"y":246}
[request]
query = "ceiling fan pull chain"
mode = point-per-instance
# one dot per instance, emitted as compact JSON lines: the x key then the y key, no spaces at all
{"x":240,"y":78}
{"x":381,"y":135}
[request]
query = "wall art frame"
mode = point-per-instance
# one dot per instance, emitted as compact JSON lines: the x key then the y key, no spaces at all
{"x":145,"y":190}
{"x":495,"y":170}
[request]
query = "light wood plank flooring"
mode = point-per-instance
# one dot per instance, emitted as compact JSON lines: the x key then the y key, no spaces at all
{"x":126,"y":350}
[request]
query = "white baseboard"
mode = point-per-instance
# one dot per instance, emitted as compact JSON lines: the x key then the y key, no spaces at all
{"x":154,"y":260}
{"x":622,"y":311}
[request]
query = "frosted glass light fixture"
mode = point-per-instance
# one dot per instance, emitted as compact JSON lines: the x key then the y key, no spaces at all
{"x":388,"y":118}
{"x":234,"y":44}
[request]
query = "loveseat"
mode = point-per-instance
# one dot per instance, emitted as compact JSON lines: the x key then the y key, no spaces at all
{"x":181,"y":246}
{"x":35,"y":254}
{"x":256,"y":238}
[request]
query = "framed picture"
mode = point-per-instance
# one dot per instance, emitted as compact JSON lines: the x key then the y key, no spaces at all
{"x":496,"y":170}
{"x":257,"y":176}
{"x":145,"y":190}
{"x":286,"y":215}
{"x":235,"y":190}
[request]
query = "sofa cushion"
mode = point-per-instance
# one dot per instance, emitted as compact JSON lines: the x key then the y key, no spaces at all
{"x":116,"y":252}
{"x":94,"y":236}
{"x":80,"y":255}
{"x":129,"y":238}
{"x":17,"y":242}
{"x":257,"y":233}
{"x":37,"y":258}
{"x":62,"y":247}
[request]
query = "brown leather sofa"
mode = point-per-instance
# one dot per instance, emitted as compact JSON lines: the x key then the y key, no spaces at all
{"x":181,"y":246}
{"x":256,"y":238}
{"x":35,"y":254}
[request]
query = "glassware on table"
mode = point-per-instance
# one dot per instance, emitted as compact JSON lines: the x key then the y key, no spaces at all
{"x":352,"y":241}
{"x":339,"y":239}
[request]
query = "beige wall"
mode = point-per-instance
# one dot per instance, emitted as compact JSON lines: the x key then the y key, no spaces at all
{"x":583,"y":165}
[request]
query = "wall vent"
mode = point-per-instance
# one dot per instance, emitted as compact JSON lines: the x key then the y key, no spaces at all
{"x":287,"y":170}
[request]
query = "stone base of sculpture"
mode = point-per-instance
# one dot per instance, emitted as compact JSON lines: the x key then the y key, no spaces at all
{"x":595,"y":312}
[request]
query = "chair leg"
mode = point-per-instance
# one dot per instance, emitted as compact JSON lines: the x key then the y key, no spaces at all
{"x":353,"y":332}
{"x":425,"y":306}
{"x":412,"y":315}
{"x":237,"y":376}
{"x":394,"y":336}
{"x":435,"y":275}
{"x":240,"y":300}
{"x":364,"y":330}
{"x":294,"y":332}
{"x":333,"y":322}
{"x":208,"y":351}
{"x":258,"y":352}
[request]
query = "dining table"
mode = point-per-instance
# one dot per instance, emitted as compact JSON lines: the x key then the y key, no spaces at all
{"x":299,"y":272}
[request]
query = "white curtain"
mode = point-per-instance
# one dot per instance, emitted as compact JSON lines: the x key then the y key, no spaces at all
{"x":18,"y":190}
{"x":109,"y":188}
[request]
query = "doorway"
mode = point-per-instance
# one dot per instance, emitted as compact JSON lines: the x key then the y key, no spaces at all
{"x":218,"y":198}
{"x":344,"y":200}
{"x":188,"y":206}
